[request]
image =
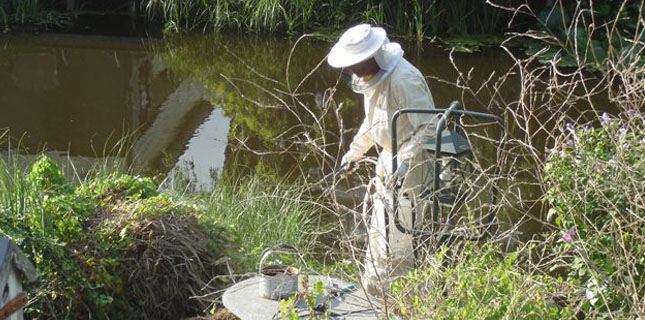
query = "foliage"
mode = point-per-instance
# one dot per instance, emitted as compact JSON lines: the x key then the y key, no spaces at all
{"x":596,"y":186}
{"x":289,"y":310}
{"x":586,"y":33}
{"x":264,"y":212}
{"x":418,"y":18}
{"x":92,"y":244}
{"x":30,"y":12}
{"x":479,"y":283}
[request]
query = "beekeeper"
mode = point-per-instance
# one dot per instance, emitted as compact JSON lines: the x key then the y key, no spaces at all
{"x":388,"y":83}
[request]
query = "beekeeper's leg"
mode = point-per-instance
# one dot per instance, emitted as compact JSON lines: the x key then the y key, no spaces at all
{"x":411,"y":210}
{"x":385,"y":261}
{"x":376,"y":272}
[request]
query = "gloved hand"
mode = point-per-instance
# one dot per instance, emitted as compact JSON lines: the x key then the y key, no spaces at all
{"x":350,"y":161}
{"x":397,"y":177}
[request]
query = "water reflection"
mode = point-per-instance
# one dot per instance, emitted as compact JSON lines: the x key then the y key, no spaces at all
{"x":64,"y":92}
{"x":203,"y":160}
{"x":76,"y":96}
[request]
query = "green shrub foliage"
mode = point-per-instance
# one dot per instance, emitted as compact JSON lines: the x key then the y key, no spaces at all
{"x":112,"y":247}
{"x":480,"y":283}
{"x":596,"y":178}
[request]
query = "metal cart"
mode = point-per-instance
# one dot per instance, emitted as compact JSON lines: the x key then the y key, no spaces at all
{"x":449,"y":146}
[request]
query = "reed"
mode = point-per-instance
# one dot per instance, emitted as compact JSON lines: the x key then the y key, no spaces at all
{"x":418,"y":18}
{"x":419,"y":14}
{"x":20,"y":11}
{"x":374,"y":13}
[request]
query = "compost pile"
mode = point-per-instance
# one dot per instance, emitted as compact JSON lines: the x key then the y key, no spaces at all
{"x":115,"y":247}
{"x":171,"y":262}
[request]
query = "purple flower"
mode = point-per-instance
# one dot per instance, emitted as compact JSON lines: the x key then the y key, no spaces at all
{"x":604,"y":120}
{"x":630,"y":113}
{"x":570,"y":235}
{"x":570,"y":128}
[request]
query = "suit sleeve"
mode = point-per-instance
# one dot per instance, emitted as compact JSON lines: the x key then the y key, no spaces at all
{"x":414,"y":93}
{"x":361,"y":143}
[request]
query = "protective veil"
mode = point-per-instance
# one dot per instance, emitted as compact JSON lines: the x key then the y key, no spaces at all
{"x":398,"y":85}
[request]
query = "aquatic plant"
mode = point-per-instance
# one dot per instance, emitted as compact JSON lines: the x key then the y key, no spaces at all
{"x":418,"y":18}
{"x":27,"y":13}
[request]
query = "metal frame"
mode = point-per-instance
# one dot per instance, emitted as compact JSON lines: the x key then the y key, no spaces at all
{"x":441,"y":125}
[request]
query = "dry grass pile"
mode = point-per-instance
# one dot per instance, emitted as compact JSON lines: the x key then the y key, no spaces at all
{"x":171,"y":260}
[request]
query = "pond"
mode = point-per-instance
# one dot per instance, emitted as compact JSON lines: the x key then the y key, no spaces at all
{"x":77,"y":95}
{"x":194,"y":106}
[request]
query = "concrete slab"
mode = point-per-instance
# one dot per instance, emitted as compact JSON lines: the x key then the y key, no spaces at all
{"x":243,"y":300}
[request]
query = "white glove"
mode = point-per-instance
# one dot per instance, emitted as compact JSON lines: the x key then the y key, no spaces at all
{"x":397,"y":177}
{"x":349,"y":161}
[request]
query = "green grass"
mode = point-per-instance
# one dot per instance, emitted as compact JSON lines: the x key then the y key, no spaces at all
{"x":418,"y":18}
{"x":263,"y":213}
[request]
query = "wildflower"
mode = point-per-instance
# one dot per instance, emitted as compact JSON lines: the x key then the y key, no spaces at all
{"x":630,"y":113}
{"x":570,"y":235}
{"x":570,"y":128}
{"x":604,"y":120}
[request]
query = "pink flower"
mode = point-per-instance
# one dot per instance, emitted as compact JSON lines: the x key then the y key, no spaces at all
{"x":570,"y":235}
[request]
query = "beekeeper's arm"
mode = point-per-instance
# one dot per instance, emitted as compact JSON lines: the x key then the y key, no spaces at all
{"x":360,"y":144}
{"x":414,"y":94}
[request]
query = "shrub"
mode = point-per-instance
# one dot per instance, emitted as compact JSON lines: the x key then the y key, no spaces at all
{"x":112,"y":247}
{"x":479,"y":284}
{"x":596,"y":188}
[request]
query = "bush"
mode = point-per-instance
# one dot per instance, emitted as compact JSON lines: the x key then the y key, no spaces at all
{"x":112,"y":247}
{"x":479,"y":284}
{"x":596,"y":188}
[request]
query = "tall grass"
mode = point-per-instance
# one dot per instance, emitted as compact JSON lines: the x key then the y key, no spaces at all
{"x":17,"y":199}
{"x":22,"y":11}
{"x":418,"y":18}
{"x":263,"y":213}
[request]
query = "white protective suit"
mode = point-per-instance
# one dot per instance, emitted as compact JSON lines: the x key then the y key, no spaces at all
{"x":398,"y":85}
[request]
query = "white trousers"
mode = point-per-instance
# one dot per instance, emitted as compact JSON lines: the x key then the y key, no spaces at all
{"x":390,"y":252}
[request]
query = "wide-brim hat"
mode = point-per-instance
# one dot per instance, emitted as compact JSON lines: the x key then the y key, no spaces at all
{"x":357,"y":44}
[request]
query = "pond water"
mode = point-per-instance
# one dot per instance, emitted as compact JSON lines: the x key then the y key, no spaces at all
{"x":77,"y":95}
{"x":194,"y":106}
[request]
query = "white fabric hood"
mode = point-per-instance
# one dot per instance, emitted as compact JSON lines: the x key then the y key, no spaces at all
{"x":387,"y":58}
